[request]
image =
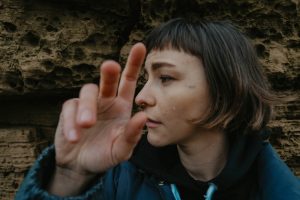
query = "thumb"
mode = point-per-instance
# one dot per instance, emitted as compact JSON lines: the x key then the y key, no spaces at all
{"x":132,"y":134}
{"x":134,"y":128}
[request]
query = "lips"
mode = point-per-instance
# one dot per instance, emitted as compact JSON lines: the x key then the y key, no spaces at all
{"x":150,"y":123}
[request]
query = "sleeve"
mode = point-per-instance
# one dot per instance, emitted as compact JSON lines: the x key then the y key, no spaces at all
{"x":40,"y":173}
{"x":276,"y":180}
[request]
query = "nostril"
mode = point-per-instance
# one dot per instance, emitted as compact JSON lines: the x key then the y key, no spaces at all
{"x":143,"y":106}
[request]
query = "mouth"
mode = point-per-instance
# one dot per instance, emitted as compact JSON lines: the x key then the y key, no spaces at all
{"x":150,"y":123}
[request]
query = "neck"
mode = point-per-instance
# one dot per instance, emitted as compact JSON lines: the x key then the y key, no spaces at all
{"x":205,"y":155}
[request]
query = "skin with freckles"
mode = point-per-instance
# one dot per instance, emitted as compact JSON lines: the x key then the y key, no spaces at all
{"x":175,"y":94}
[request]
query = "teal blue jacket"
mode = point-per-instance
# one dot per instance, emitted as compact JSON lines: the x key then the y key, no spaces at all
{"x":127,"y":182}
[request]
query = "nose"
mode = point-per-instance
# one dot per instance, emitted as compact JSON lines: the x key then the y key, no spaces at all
{"x":145,"y":97}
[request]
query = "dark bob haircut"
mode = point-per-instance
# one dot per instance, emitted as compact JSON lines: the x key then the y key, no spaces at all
{"x":239,"y":91}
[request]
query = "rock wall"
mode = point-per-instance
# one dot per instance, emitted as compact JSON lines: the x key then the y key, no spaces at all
{"x":48,"y":49}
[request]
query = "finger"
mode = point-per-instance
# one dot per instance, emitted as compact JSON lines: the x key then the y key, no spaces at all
{"x":87,"y":106}
{"x":131,"y":136}
{"x":109,"y":81}
{"x":70,"y":129}
{"x":59,"y":129}
{"x":131,"y":72}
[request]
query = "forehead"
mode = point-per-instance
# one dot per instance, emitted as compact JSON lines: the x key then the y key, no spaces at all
{"x":172,"y":57}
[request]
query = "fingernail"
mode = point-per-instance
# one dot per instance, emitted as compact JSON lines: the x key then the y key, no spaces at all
{"x":86,"y":116}
{"x":72,"y":135}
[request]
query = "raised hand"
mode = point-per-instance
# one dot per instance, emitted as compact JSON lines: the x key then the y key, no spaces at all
{"x":96,"y":131}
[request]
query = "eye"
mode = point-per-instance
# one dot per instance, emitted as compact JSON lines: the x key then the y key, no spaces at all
{"x":166,"y":78}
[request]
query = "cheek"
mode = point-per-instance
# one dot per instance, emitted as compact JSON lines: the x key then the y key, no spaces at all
{"x":189,"y":107}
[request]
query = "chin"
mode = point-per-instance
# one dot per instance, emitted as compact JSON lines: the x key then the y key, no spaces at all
{"x":156,"y":141}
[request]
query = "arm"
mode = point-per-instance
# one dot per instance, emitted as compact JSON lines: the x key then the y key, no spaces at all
{"x":96,"y":130}
{"x":33,"y":187}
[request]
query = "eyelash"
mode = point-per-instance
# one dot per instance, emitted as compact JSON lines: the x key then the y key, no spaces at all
{"x":165,"y":78}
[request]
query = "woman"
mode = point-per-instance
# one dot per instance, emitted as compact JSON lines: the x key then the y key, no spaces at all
{"x":205,"y":105}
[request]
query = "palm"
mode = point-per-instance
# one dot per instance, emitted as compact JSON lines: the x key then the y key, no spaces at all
{"x":113,"y":135}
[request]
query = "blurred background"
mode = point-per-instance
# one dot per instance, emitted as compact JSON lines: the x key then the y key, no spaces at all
{"x":49,"y":49}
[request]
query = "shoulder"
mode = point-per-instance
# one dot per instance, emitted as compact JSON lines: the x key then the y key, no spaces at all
{"x":275,"y":180}
{"x":124,"y":173}
{"x":126,"y":181}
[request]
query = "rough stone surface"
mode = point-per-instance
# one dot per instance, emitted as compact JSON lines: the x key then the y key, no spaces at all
{"x":18,"y":150}
{"x":58,"y":45}
{"x":48,"y":49}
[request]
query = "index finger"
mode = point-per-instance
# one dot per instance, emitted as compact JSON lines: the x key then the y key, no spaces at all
{"x":131,"y":72}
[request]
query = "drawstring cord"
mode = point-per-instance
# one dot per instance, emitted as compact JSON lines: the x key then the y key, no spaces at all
{"x":212,"y":188}
{"x":210,"y":191}
{"x":175,"y":192}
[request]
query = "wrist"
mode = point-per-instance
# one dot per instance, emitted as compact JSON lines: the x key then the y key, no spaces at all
{"x":67,"y":182}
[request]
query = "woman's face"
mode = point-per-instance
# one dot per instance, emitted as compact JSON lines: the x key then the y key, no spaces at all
{"x":175,"y":94}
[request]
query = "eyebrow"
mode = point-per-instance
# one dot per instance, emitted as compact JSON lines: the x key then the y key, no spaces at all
{"x":157,"y":65}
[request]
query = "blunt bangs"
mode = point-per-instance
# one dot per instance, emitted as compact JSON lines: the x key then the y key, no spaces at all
{"x":177,"y":35}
